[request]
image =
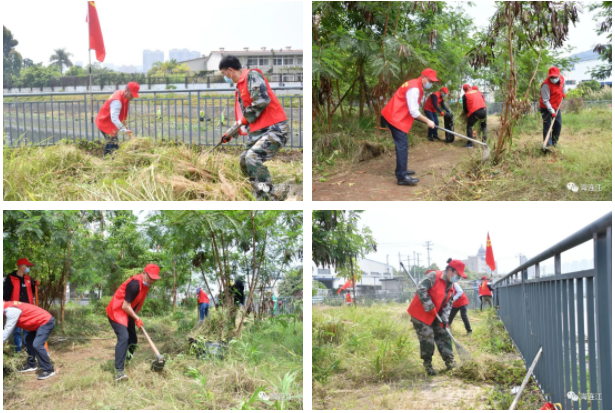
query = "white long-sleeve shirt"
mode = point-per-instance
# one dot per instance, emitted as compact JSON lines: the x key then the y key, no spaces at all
{"x":412,"y":97}
{"x":12,"y":315}
{"x":458,"y":292}
{"x":116,"y":107}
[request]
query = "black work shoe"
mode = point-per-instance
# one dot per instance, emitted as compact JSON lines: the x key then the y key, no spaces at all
{"x":468,"y":145}
{"x":28,"y":367}
{"x":407,"y":181}
{"x":555,"y":144}
{"x":450,"y":365}
{"x":430,"y":371}
{"x":469,"y":332}
{"x":430,"y":139}
{"x":46,"y":374}
{"x":409,"y":172}
{"x":120,"y":376}
{"x":438,"y":139}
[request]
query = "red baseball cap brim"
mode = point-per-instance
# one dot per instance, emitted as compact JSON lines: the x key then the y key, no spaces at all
{"x":459,"y":266}
{"x":153,"y":271}
{"x":465,"y":87}
{"x":24,"y":261}
{"x":445,"y":90}
{"x":134,"y":89}
{"x":430,"y":74}
{"x":553,"y":71}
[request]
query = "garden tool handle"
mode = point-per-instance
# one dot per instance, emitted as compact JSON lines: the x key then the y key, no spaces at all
{"x":552,"y":123}
{"x":461,"y":136}
{"x":447,"y":330}
{"x":151,"y":343}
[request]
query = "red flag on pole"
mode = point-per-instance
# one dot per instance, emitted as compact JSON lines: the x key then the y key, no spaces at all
{"x":345,"y":286}
{"x":489,"y":256}
{"x":96,"y":39}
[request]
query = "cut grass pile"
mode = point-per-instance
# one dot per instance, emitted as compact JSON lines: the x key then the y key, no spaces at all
{"x":268,"y":358}
{"x":371,"y":355}
{"x":141,"y":170}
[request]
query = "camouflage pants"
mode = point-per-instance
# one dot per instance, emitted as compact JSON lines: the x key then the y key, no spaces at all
{"x":427,"y":334}
{"x":257,"y":152}
{"x":111,"y":144}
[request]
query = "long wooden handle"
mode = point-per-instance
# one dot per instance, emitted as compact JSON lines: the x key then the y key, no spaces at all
{"x":151,"y":343}
{"x":552,"y":123}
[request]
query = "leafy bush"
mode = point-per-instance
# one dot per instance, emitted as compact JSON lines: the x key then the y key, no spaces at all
{"x":590,"y":85}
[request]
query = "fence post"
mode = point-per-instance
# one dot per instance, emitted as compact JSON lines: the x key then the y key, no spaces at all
{"x":603,"y":266}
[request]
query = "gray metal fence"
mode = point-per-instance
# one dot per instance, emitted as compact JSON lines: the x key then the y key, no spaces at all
{"x":494,"y":108}
{"x":569,"y":316}
{"x":190,"y":116}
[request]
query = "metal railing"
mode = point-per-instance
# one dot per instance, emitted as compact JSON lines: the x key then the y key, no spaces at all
{"x":189,"y":116}
{"x":569,"y":316}
{"x":494,"y":108}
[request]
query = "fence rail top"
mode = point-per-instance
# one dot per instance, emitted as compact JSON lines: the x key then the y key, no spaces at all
{"x":584,"y":234}
{"x":228,"y":89}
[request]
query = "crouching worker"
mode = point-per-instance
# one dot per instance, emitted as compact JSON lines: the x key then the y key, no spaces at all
{"x":39,"y":324}
{"x":203,"y":304}
{"x":256,"y":107}
{"x":475,"y":109}
{"x":460,"y":304}
{"x":113,"y":113}
{"x":122,"y":312}
{"x":434,"y":296}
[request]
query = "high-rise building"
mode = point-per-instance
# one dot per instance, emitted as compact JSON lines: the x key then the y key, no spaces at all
{"x":150,"y":57}
{"x":182,"y":55}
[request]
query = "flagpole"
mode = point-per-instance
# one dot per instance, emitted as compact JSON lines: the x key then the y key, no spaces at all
{"x":90,"y":75}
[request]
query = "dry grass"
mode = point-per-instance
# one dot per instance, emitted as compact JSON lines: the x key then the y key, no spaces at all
{"x":141,"y":170}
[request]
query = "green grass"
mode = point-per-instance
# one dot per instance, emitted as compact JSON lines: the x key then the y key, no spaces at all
{"x":140,"y":170}
{"x":85,"y":367}
{"x":363,"y":354}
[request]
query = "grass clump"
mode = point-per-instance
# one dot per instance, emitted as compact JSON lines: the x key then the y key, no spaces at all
{"x":140,"y":170}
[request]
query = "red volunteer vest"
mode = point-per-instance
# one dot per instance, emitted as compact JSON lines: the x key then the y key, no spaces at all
{"x":461,"y":301}
{"x":428,"y":106}
{"x":31,"y":318}
{"x":439,"y":295}
{"x":203,"y":297}
{"x":348,"y":298}
{"x":103,"y":119}
{"x":114,"y":309}
{"x":474,"y":101}
{"x":396,"y":112}
{"x":483,"y":289}
{"x":15,"y":296}
{"x":273,"y":113}
{"x":557,"y":93}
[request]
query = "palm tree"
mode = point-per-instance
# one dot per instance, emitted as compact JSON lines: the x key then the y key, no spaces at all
{"x":61,"y":58}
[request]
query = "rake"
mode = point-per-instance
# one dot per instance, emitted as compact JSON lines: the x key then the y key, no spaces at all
{"x":463,"y":353}
{"x":231,"y":132}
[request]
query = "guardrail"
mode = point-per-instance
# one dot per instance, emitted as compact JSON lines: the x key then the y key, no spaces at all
{"x":188,"y":116}
{"x":569,"y":316}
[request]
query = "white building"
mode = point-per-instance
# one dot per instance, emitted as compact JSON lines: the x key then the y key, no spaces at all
{"x":286,"y":61}
{"x":477,"y":263}
{"x":150,"y":57}
{"x":580,"y":71}
{"x":373,"y":273}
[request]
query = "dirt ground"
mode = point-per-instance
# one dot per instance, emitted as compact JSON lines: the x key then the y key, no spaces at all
{"x":374,"y":180}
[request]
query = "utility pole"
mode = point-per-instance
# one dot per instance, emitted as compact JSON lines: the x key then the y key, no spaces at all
{"x":428,"y":245}
{"x":414,"y":267}
{"x":418,"y":258}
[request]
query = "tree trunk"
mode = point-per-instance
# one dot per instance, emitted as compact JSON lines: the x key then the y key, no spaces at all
{"x":361,"y":102}
{"x":223,"y":289}
{"x":207,"y":284}
{"x":65,"y":283}
{"x":354,"y":282}
{"x":174,"y":287}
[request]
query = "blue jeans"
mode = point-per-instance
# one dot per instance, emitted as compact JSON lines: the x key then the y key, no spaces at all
{"x":401,"y":150}
{"x":17,"y":338}
{"x":432,"y":116}
{"x":203,"y":311}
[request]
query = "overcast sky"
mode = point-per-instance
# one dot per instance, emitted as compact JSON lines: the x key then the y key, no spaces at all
{"x":457,"y":230}
{"x":583,"y":37}
{"x":129,"y":27}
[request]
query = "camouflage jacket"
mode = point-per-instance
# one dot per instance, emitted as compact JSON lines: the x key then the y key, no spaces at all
{"x":260,"y":100}
{"x":422,"y":292}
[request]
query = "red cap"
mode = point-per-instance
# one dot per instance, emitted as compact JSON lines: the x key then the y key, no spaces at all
{"x":474,"y":87}
{"x":134,"y":89}
{"x":553,"y":71}
{"x":153,"y":271}
{"x":430,"y":74}
{"x":465,"y":87}
{"x":459,"y":266}
{"x":484,"y":278}
{"x":25,"y":261}
{"x":445,"y":90}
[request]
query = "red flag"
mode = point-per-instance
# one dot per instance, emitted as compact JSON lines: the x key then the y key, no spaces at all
{"x":343,"y":287}
{"x":96,"y":39}
{"x":489,"y":257}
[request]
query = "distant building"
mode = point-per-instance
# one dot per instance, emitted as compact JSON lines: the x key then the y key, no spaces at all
{"x":477,"y":263}
{"x":150,"y":57}
{"x":127,"y":69}
{"x":183,"y":55}
{"x":580,"y":71}
{"x":287,"y":61}
{"x":374,"y":273}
